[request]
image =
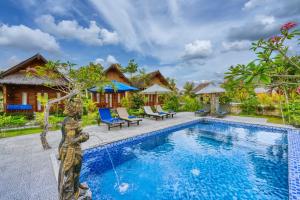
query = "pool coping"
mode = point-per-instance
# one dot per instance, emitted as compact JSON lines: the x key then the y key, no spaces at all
{"x":293,"y":146}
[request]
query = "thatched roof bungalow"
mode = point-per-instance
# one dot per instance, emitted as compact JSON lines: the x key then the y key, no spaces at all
{"x":20,"y":91}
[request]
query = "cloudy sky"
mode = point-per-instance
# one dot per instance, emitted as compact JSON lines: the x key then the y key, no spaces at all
{"x":191,"y":40}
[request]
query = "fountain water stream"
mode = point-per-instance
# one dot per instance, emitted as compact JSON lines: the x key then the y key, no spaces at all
{"x":122,"y":187}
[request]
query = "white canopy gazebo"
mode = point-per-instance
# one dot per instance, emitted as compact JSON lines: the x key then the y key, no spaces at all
{"x":156,"y":89}
{"x":213,"y":89}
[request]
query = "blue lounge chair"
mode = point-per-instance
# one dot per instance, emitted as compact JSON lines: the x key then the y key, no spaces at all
{"x":106,"y":118}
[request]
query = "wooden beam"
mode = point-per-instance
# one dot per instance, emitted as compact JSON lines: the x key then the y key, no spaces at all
{"x":4,"y":90}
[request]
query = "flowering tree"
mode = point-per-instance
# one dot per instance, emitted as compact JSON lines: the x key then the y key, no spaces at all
{"x":275,"y":67}
{"x":68,"y":79}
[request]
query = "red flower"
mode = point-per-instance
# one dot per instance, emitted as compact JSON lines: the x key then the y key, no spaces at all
{"x":275,"y":39}
{"x":288,"y":26}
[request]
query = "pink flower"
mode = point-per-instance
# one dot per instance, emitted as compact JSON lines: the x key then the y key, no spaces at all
{"x":275,"y":39}
{"x":288,"y":26}
{"x":298,"y":90}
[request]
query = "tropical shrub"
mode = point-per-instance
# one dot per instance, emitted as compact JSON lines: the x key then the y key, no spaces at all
{"x":137,"y":101}
{"x":7,"y":121}
{"x":249,"y":106}
{"x":126,"y":102}
{"x":54,"y":121}
{"x":171,"y":102}
{"x":190,"y":104}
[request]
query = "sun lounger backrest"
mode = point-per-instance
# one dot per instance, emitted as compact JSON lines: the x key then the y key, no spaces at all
{"x":159,"y":108}
{"x":148,"y":110}
{"x":105,"y":113}
{"x":122,"y":112}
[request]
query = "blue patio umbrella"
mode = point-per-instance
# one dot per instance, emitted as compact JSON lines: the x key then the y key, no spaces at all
{"x":120,"y":87}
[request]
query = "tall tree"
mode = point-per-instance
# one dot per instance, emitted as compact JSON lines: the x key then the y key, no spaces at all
{"x":68,"y":79}
{"x":172,"y":83}
{"x":188,"y":88}
{"x":274,"y":67}
{"x":131,"y":68}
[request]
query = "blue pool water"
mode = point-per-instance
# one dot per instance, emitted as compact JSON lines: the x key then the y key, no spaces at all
{"x":202,"y":161}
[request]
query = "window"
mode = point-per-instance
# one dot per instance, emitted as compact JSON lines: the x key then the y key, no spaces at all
{"x":98,"y":97}
{"x":39,"y":105}
{"x":24,"y":98}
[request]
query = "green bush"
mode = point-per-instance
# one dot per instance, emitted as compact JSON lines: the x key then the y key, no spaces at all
{"x":7,"y":121}
{"x":190,"y":104}
{"x":54,"y":121}
{"x":126,"y":102}
{"x":136,"y":112}
{"x":292,"y":112}
{"x":137,"y":101}
{"x":134,"y":101}
{"x":171,"y":102}
{"x":249,"y":106}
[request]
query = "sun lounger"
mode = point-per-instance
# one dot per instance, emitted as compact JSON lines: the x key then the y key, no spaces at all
{"x":161,"y":111}
{"x":221,"y":114}
{"x":149,"y":112}
{"x":202,"y":112}
{"x":105,"y":117}
{"x":123,"y":114}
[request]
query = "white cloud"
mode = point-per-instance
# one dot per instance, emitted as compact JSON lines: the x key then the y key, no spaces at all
{"x":197,"y":49}
{"x":106,"y":62}
{"x":25,"y":38}
{"x":236,"y":45}
{"x":70,"y":29}
{"x":252,"y":4}
{"x":13,"y":60}
{"x":265,"y":19}
{"x":111,"y":59}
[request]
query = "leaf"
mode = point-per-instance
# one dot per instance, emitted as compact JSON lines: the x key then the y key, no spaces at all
{"x":265,"y":79}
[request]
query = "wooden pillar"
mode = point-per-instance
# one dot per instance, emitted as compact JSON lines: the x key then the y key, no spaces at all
{"x":4,"y":90}
{"x":213,"y":103}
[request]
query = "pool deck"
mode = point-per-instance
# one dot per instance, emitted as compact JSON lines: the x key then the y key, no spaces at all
{"x":26,"y":169}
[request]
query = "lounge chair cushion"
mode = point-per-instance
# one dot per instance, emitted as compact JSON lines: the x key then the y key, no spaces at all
{"x":106,"y":116}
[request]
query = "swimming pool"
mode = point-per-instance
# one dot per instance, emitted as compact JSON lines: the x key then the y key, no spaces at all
{"x":198,"y":160}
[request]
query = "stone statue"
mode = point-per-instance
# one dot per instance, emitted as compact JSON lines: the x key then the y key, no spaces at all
{"x":70,"y":154}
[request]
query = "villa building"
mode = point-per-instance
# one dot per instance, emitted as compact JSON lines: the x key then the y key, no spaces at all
{"x":152,"y":78}
{"x":20,"y":92}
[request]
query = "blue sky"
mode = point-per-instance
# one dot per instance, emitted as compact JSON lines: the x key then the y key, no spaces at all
{"x":193,"y":40}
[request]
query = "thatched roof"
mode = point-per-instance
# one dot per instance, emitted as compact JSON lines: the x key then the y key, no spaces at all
{"x":212,"y":88}
{"x":17,"y":74}
{"x":23,"y":79}
{"x":117,"y":68}
{"x":141,"y":84}
{"x":22,"y":65}
{"x":200,"y":87}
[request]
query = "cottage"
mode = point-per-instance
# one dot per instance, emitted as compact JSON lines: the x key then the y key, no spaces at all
{"x":152,"y":78}
{"x":20,"y":92}
{"x":112,"y":99}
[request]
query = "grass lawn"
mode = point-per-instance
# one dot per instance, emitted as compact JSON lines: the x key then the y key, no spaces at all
{"x":13,"y":133}
{"x":270,"y":119}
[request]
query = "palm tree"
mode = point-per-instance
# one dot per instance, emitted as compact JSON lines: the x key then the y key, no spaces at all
{"x":188,"y":88}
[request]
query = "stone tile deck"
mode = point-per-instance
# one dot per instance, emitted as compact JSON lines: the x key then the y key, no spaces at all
{"x":26,"y":170}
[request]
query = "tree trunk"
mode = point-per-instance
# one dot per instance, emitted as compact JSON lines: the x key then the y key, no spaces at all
{"x":44,"y":141}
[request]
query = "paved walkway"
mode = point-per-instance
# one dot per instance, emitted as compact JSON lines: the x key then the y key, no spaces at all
{"x":26,"y":169}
